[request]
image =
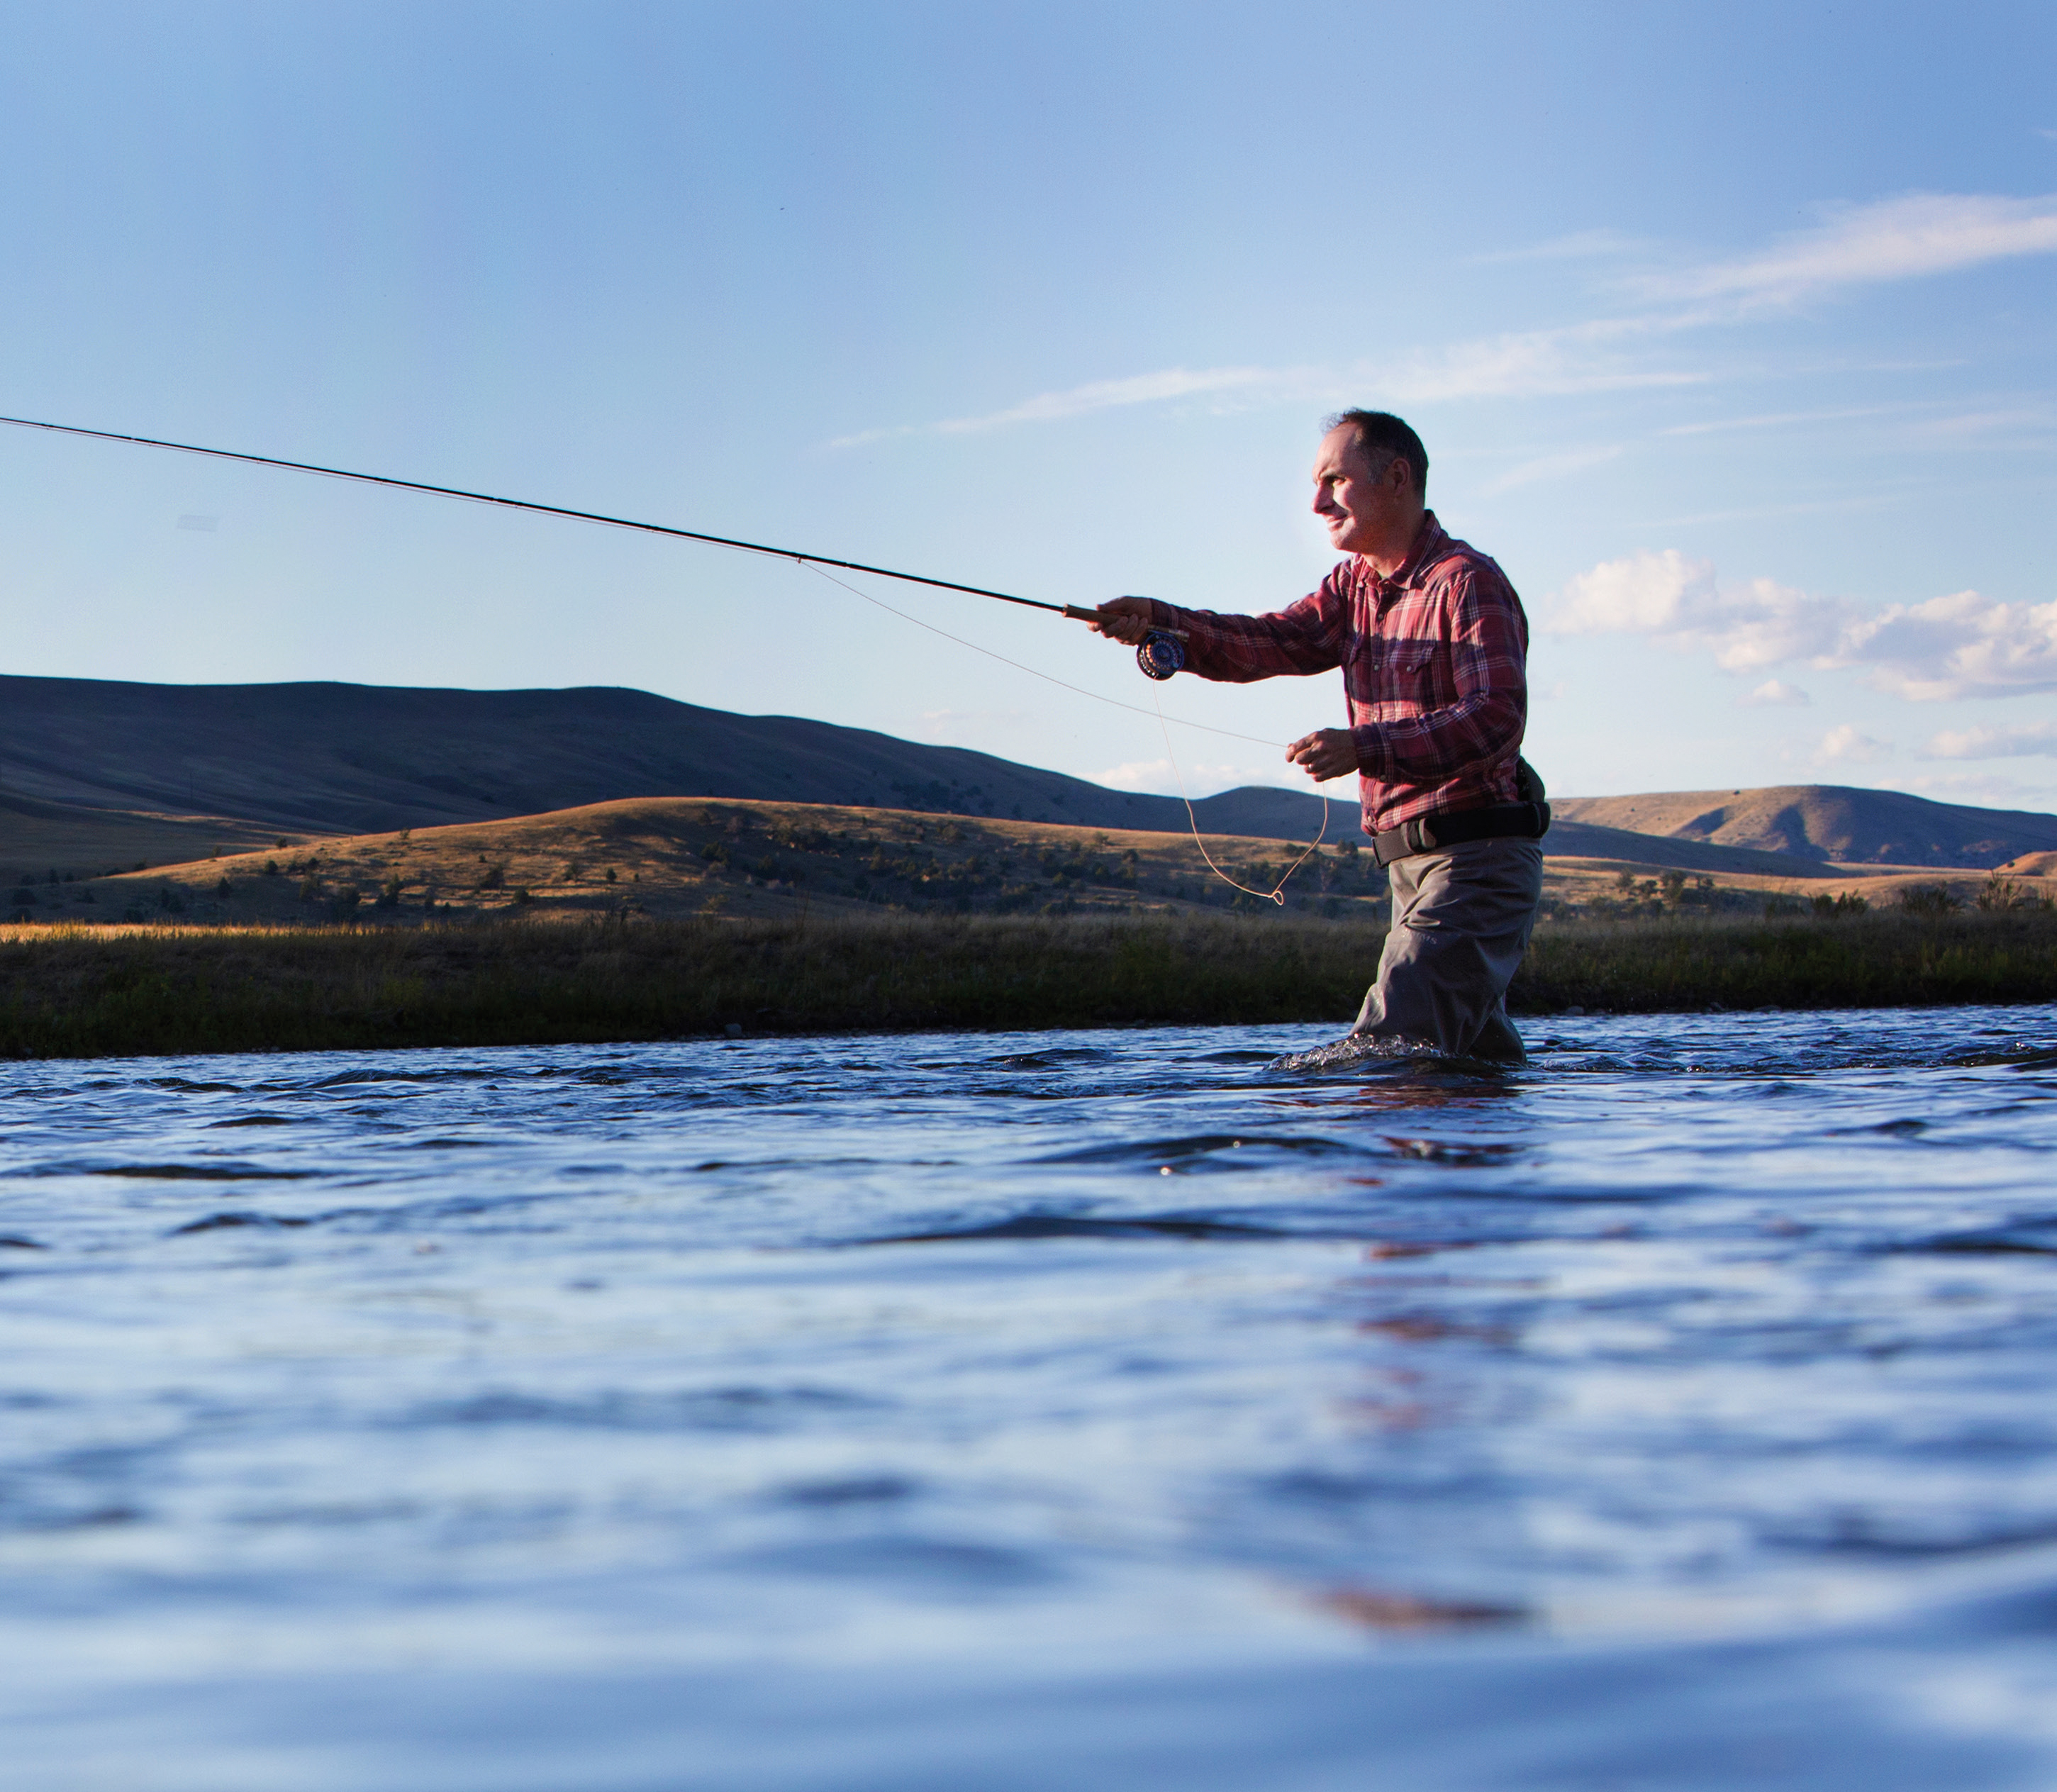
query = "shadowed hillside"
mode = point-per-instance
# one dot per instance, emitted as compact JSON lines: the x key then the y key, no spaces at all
{"x":96,"y":775}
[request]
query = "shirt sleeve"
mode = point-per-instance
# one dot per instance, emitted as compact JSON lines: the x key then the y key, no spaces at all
{"x":1486,"y":712}
{"x":1312,"y":635}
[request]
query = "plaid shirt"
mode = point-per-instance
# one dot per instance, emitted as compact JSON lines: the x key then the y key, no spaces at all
{"x":1433,"y":661}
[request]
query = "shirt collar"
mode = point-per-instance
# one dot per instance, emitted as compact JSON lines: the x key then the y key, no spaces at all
{"x":1429,"y":541}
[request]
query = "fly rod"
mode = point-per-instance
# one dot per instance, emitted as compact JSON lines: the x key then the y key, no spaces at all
{"x":1076,"y":613}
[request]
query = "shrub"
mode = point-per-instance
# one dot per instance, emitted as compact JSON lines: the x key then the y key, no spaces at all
{"x":1932,"y":899}
{"x":1834,"y":908}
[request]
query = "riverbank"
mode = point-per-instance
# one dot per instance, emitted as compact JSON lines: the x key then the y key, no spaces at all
{"x":98,"y":993}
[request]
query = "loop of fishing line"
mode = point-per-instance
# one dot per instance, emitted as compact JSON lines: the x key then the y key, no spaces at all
{"x":1277,"y":892}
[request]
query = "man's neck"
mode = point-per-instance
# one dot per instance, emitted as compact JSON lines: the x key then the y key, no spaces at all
{"x":1389,"y":556}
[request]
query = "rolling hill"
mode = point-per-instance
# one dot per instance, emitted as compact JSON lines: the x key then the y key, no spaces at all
{"x":95,"y":773}
{"x":1830,"y":822}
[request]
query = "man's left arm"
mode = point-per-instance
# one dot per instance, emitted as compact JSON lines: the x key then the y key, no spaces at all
{"x":1487,"y":713}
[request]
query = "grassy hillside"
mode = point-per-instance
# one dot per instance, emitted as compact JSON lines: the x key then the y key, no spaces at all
{"x":671,"y":859}
{"x":1828,"y":822}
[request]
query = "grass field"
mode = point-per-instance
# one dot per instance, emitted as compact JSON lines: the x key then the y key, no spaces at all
{"x":80,"y":992}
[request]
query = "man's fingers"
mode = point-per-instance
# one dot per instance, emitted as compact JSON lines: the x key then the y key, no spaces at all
{"x":1124,"y":618}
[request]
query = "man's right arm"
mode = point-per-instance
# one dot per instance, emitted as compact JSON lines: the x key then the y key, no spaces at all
{"x":1308,"y":636}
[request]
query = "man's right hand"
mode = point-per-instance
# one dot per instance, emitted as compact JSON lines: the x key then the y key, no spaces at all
{"x":1125,"y":619}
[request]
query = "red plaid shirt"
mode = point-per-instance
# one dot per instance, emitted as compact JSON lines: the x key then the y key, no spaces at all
{"x":1433,"y":661}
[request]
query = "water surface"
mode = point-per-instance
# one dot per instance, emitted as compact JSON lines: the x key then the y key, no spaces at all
{"x":1078,"y":1409}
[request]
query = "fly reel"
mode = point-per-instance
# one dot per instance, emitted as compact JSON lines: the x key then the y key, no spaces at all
{"x":1161,"y":655}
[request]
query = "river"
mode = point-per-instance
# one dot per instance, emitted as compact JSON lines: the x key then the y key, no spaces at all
{"x":1081,"y":1410}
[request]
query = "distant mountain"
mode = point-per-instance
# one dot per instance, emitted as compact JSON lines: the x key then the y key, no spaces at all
{"x":94,"y":773}
{"x":98,"y":771}
{"x":1829,"y":822}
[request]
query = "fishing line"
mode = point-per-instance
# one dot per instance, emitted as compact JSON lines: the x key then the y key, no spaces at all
{"x":1159,"y":657}
{"x":1073,"y":610}
{"x":1133,"y":709}
{"x":1275,"y":893}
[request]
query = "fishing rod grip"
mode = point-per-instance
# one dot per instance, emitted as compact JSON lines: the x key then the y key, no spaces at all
{"x":1078,"y":614}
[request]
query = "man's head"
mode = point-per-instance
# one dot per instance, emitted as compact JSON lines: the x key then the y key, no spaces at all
{"x":1369,"y":480}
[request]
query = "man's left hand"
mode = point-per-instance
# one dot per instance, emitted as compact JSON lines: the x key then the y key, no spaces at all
{"x":1325,"y":754}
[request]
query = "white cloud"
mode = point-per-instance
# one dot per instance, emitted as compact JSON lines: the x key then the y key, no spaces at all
{"x":1961,"y":645}
{"x":1844,"y":745}
{"x":1890,"y":239}
{"x":1994,"y":743}
{"x":1161,"y":777}
{"x":1679,"y":601}
{"x":1775,"y":692}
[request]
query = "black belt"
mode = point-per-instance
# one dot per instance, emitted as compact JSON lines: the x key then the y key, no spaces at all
{"x":1524,"y":821}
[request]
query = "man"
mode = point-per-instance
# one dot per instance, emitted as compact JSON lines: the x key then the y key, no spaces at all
{"x":1432,"y":644}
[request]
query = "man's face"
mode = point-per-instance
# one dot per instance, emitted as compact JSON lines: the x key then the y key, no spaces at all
{"x":1364,"y":510}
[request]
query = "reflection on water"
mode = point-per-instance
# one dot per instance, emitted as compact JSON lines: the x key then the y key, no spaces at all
{"x":795,"y":1402}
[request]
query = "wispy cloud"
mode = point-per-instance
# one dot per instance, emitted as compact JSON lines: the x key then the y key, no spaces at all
{"x":2021,"y":741}
{"x":1580,"y":245}
{"x":1891,"y":240}
{"x":1781,"y":419}
{"x":1961,"y":645}
{"x":1986,"y":788}
{"x":1100,"y":394}
{"x":1525,"y":364}
{"x":1561,"y":466}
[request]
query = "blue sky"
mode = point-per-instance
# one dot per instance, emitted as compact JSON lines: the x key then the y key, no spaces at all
{"x":1729,"y":331}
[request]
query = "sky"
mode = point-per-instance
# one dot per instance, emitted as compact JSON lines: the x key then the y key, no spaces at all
{"x":1729,"y":331}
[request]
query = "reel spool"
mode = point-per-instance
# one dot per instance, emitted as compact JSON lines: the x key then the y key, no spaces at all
{"x":1161,"y":655}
